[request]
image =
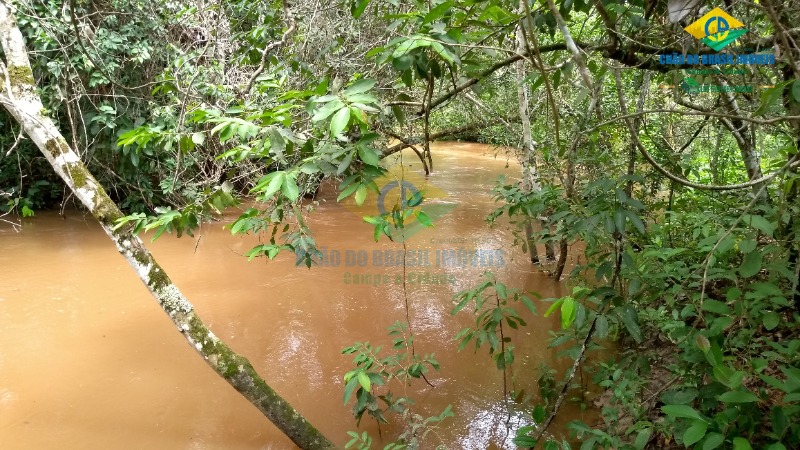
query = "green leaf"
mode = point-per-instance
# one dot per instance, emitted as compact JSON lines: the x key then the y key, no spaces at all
{"x":643,"y":438}
{"x":339,"y":121}
{"x":702,"y":343}
{"x":796,"y":90}
{"x":777,"y":445}
{"x":399,"y":114}
{"x":554,"y":306}
{"x":359,"y":87}
{"x":760,"y":223}
{"x":751,"y":264}
{"x":771,"y":320}
{"x":329,"y":108}
{"x":636,"y":221}
{"x":738,"y":397}
{"x":740,"y":443}
{"x":682,"y":411}
{"x":274,"y":185}
{"x":309,"y":168}
{"x":769,"y":98}
{"x":695,"y":432}
{"x":601,"y":326}
{"x":369,"y":156}
{"x":568,"y":309}
{"x":410,"y":44}
{"x":364,"y":381}
{"x":631,"y":320}
{"x":347,"y":191}
{"x":619,"y":220}
{"x":679,"y":396}
{"x":437,"y":12}
{"x":290,"y":189}
{"x":500,"y":288}
{"x":713,"y":440}
{"x":361,"y":194}
{"x":424,"y":219}
{"x":525,"y":441}
{"x":359,"y":7}
{"x":727,"y":376}
{"x":747,"y":245}
{"x":349,"y":388}
{"x":717,"y":306}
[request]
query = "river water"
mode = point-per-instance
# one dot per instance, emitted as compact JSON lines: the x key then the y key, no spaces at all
{"x":88,"y":359}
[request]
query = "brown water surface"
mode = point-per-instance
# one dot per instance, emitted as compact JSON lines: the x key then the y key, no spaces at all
{"x":88,"y":360}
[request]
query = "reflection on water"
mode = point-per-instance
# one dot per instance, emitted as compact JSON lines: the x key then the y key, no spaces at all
{"x":88,"y":360}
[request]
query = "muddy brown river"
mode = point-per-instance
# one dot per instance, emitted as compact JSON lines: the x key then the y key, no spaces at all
{"x":88,"y":360}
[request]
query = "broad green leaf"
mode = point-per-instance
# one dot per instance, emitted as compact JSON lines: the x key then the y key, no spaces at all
{"x":274,"y":185}
{"x":328,"y":109}
{"x":399,"y":114}
{"x":717,"y":306}
{"x":713,"y":440}
{"x":361,"y":194}
{"x":771,"y":320}
{"x":290,"y":189}
{"x":364,"y":381}
{"x":347,"y":191}
{"x":359,"y":7}
{"x":359,"y":87}
{"x":601,"y":327}
{"x":679,"y":396}
{"x":738,"y":397}
{"x":695,"y":432}
{"x":682,"y":411}
{"x":424,"y":219}
{"x":410,"y":44}
{"x":769,"y":98}
{"x":702,"y":343}
{"x":740,"y":443}
{"x":501,"y":290}
{"x":642,"y":438}
{"x":369,"y":156}
{"x":437,"y":12}
{"x":525,"y":441}
{"x":760,"y":223}
{"x":796,"y":90}
{"x":630,"y":318}
{"x":339,"y":121}
{"x":568,"y":309}
{"x":309,"y":168}
{"x":636,"y":221}
{"x":349,"y":388}
{"x":751,"y":264}
{"x":554,"y":306}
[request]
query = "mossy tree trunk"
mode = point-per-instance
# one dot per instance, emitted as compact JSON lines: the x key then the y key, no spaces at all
{"x":19,"y":97}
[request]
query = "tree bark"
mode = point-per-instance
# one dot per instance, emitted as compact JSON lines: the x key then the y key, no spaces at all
{"x":529,"y":176}
{"x":19,"y":97}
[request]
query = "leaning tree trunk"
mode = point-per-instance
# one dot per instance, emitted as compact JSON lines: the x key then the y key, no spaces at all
{"x":530,"y":176}
{"x":19,"y":97}
{"x":528,"y":163}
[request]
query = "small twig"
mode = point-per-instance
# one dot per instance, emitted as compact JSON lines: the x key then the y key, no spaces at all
{"x":292,"y":26}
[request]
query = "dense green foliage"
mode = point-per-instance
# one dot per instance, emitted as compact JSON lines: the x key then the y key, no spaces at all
{"x":683,"y":205}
